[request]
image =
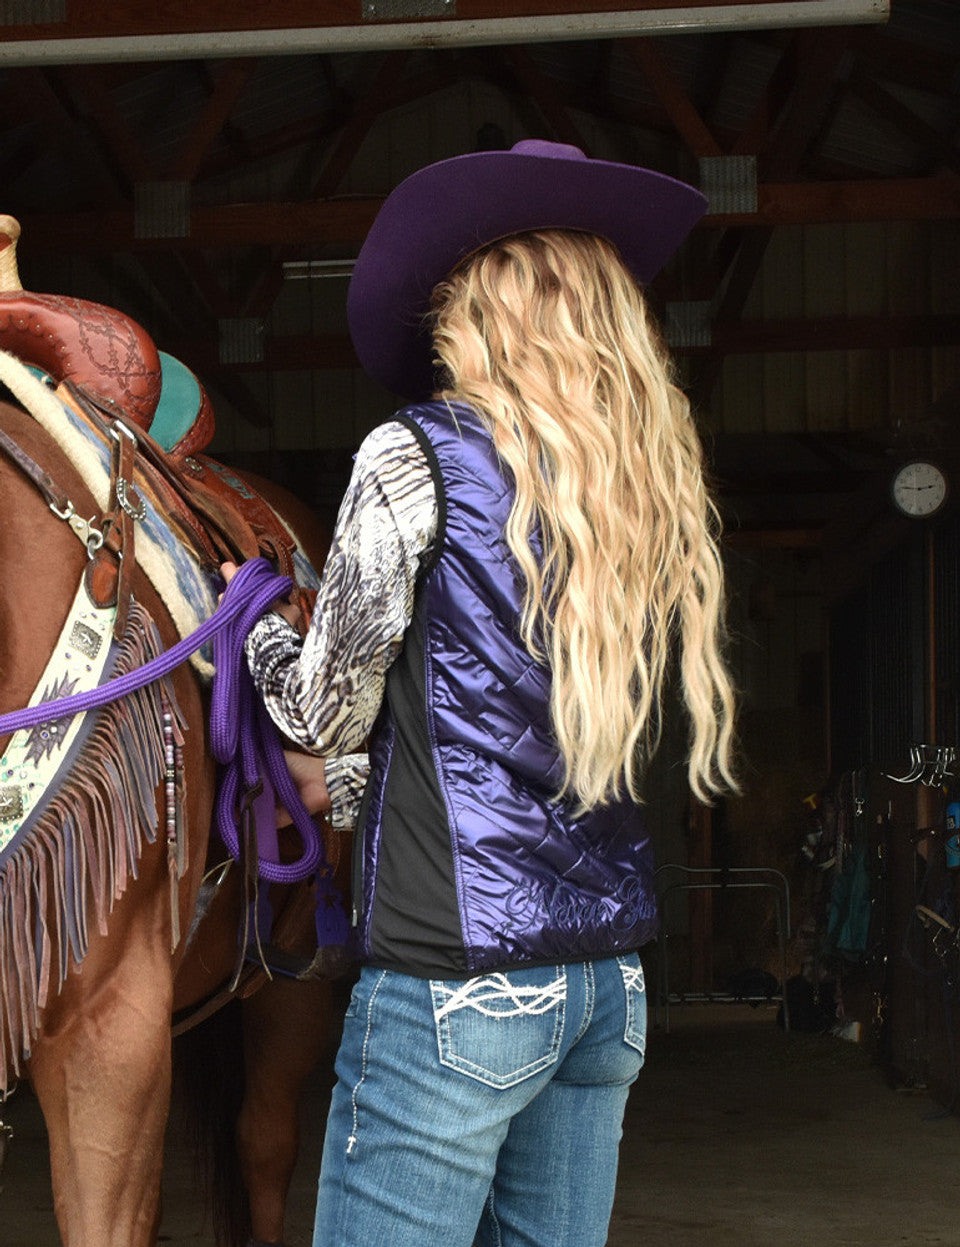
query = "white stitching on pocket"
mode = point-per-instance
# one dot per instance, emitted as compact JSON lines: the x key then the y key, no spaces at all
{"x":635,"y":1027}
{"x":521,"y":1037}
{"x":478,"y":993}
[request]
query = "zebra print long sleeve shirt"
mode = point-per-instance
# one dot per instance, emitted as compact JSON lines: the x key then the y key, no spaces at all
{"x":323,"y":691}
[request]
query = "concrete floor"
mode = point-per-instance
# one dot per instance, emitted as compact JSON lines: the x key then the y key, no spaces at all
{"x":737,"y":1135}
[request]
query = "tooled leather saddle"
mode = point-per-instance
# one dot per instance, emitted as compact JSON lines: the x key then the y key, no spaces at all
{"x":108,"y":369}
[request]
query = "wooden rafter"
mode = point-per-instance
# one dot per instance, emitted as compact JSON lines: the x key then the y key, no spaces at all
{"x":181,"y":310}
{"x":818,"y":58}
{"x":773,"y":99}
{"x":346,"y":220}
{"x":545,"y":93}
{"x":904,"y":62}
{"x":297,"y":352}
{"x":785,"y":133}
{"x":192,"y":276}
{"x":119,"y":139}
{"x":231,"y":80}
{"x":373,"y":104}
{"x":939,"y":149}
{"x":821,"y":55}
{"x":62,"y":133}
{"x":676,"y":103}
{"x":709,"y":77}
{"x":266,"y":282}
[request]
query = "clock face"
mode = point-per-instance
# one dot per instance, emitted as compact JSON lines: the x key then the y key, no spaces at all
{"x":919,"y":489}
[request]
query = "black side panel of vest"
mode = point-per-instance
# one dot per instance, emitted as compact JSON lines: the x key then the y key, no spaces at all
{"x":416,"y":918}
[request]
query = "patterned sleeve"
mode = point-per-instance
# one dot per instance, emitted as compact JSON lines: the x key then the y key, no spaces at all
{"x":325,"y":690}
{"x":346,"y":778}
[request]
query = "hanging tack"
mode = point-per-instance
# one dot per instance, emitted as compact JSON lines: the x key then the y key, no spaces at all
{"x":9,"y":233}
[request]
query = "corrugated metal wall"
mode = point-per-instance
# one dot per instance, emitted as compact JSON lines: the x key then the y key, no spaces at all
{"x":873,"y":269}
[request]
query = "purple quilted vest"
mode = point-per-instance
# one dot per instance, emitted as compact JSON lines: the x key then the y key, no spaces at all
{"x":465,"y":860}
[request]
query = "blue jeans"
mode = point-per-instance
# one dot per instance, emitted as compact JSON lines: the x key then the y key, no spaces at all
{"x":485,"y":1112}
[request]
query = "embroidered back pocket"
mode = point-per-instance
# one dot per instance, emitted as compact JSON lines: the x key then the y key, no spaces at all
{"x":501,"y":1028}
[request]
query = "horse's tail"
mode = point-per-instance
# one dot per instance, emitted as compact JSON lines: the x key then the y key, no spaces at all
{"x":209,"y":1081}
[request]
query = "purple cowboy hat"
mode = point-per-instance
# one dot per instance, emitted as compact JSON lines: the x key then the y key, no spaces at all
{"x":442,"y":213}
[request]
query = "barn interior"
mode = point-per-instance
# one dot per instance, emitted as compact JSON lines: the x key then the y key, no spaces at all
{"x":211,"y":171}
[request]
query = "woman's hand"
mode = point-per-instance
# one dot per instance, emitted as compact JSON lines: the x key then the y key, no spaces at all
{"x":307,"y":772}
{"x":289,"y":610}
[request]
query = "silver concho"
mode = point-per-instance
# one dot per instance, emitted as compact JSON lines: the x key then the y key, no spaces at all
{"x":11,"y":803}
{"x":85,"y":639}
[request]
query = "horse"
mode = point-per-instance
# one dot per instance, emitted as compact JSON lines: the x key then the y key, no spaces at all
{"x":114,"y":944}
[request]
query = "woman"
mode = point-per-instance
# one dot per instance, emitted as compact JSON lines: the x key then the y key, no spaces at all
{"x":520,"y":555}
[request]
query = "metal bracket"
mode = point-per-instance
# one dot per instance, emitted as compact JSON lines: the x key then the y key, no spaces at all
{"x":689,"y":323}
{"x":401,"y":10}
{"x":32,"y":12}
{"x":241,"y":340}
{"x":161,"y":210}
{"x":729,"y":183}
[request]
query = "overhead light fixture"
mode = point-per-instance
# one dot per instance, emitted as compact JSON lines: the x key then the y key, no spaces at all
{"x":303,"y":270}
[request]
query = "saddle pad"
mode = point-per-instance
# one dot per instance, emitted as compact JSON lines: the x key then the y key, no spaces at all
{"x":189,"y":593}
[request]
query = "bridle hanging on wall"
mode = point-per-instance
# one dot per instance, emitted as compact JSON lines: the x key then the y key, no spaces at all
{"x":929,"y":765}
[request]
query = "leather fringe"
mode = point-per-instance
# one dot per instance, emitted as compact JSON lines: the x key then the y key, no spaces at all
{"x":83,"y":850}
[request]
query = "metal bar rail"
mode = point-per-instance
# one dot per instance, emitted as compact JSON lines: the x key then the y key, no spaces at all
{"x":719,"y":879}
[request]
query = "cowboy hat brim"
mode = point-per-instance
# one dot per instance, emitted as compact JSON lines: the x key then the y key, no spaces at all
{"x":445,"y":211}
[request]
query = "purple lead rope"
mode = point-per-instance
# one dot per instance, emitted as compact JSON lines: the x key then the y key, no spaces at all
{"x":243,"y":737}
{"x":113,"y":690}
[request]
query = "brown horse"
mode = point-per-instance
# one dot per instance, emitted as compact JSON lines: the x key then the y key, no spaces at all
{"x":100,"y":1060}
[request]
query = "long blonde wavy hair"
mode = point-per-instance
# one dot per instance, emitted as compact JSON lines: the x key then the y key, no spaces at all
{"x":548,"y":337}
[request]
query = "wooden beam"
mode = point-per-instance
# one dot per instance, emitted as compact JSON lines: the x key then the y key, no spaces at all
{"x":263,"y":286}
{"x":820,"y":69}
{"x":230,"y":83}
{"x":372,"y":105}
{"x":932,"y":198}
{"x":126,"y":18}
{"x":310,"y":129}
{"x":37,"y":99}
{"x":224,"y":225}
{"x":938,"y":148}
{"x":810,"y":64}
{"x":290,"y":353}
{"x":120,"y":141}
{"x":833,"y":333}
{"x":346,"y":221}
{"x":300,"y":352}
{"x":774,"y":538}
{"x":545,"y":93}
{"x":675,"y":101}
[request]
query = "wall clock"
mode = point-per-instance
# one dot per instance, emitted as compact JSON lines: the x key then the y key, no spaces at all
{"x":919,"y":489}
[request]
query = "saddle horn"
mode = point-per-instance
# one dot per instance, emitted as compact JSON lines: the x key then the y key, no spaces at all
{"x":100,"y":350}
{"x":9,"y":274}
